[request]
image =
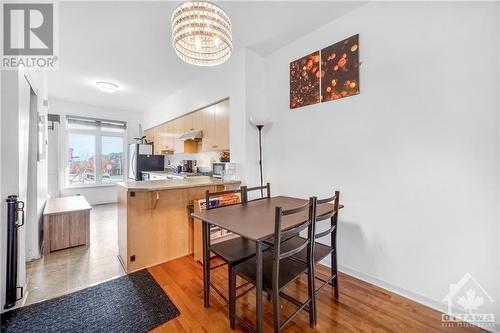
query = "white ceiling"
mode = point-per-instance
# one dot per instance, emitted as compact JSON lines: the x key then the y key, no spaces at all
{"x":129,"y":43}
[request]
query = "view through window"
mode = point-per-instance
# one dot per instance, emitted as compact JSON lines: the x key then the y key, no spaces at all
{"x":95,"y":151}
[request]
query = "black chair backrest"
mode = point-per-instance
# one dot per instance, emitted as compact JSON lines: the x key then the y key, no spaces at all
{"x":241,"y":191}
{"x":266,"y":188}
{"x":283,"y":235}
{"x":331,"y":214}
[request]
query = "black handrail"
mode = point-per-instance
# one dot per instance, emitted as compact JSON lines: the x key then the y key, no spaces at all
{"x":15,"y":219}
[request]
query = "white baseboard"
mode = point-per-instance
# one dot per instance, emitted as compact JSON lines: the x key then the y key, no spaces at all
{"x":424,"y":300}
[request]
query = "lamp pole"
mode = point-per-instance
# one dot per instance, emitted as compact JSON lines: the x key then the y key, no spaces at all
{"x":260,"y":127}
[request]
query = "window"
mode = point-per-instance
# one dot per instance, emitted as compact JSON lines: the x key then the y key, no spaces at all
{"x":111,"y":159}
{"x":95,"y":151}
{"x":81,"y":159}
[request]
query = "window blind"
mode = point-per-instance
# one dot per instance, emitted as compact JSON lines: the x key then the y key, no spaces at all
{"x":93,"y":122}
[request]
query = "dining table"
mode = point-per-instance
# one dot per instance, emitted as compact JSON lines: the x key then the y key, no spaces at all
{"x":253,"y":220}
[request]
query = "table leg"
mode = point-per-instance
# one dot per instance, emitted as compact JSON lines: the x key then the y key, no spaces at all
{"x":258,"y":287}
{"x":206,"y":263}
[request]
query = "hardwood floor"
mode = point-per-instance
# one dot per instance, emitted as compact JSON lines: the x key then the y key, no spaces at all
{"x":68,"y":270}
{"x":362,"y":307}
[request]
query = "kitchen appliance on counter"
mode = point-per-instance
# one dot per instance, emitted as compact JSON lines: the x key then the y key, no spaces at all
{"x":141,"y":158}
{"x":154,"y":175}
{"x":218,"y":169}
{"x":225,"y":171}
{"x":159,"y":175}
{"x":187,"y":166}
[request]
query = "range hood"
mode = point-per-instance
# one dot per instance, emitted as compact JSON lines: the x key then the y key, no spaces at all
{"x":193,"y":135}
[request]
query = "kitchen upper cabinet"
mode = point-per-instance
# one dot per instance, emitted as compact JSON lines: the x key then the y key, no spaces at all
{"x":149,"y":134}
{"x":178,"y":131}
{"x":208,"y":119}
{"x":188,"y":123}
{"x":163,"y":138}
{"x":215,"y":120}
{"x":157,"y":139}
{"x":198,"y":120}
{"x":212,"y":120}
{"x":221,"y":126}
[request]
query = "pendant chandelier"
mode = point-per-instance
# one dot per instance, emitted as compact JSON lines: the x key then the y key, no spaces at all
{"x":201,"y":33}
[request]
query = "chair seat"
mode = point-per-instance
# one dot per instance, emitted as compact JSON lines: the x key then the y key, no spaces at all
{"x":235,"y":250}
{"x":289,"y":270}
{"x":320,"y":250}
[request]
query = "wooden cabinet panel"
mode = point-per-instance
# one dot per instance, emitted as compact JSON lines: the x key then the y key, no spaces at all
{"x":221,"y":126}
{"x":66,"y":223}
{"x":170,"y":135}
{"x":215,"y":121}
{"x":188,"y":123}
{"x":208,"y":118}
{"x":158,"y":227}
{"x":157,"y":139}
{"x":159,"y":231}
{"x":68,"y":229}
{"x":178,"y":131}
{"x":78,"y":228}
{"x":149,"y":133}
{"x":164,"y":138}
{"x":59,"y":231}
{"x":198,"y":120}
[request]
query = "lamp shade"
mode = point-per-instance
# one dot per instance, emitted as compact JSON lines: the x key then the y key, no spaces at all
{"x":260,"y":121}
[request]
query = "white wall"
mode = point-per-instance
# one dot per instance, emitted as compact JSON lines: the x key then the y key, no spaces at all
{"x":93,"y":194}
{"x":15,"y":118}
{"x":10,"y":159}
{"x":415,"y":155}
{"x":230,"y":79}
{"x":38,"y":185}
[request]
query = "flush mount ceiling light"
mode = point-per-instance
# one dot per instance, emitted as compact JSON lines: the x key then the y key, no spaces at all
{"x":107,"y":86}
{"x":201,"y":33}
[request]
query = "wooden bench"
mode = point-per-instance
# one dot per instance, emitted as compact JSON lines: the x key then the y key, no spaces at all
{"x":66,"y":223}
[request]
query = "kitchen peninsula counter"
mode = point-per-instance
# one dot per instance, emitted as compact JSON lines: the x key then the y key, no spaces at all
{"x":168,"y":184}
{"x":154,"y":225}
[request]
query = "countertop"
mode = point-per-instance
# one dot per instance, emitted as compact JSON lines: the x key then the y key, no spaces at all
{"x":167,"y":184}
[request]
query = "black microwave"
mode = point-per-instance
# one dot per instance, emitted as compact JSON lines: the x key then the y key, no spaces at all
{"x":218,"y":168}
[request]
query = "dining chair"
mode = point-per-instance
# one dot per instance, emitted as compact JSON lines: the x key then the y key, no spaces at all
{"x":279,"y":270}
{"x":234,"y":250}
{"x":321,"y":251}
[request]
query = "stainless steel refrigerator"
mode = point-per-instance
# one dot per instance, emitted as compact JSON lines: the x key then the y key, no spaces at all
{"x":141,"y":158}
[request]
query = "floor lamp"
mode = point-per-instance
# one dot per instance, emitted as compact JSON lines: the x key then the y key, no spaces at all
{"x":259,"y":124}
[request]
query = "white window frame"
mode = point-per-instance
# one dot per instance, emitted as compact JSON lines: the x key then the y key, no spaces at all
{"x":98,"y":133}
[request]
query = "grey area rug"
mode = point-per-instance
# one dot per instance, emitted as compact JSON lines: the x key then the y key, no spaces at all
{"x":131,"y":303}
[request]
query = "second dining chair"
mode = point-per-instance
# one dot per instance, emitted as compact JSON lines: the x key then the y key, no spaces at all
{"x":321,"y":251}
{"x":279,"y":270}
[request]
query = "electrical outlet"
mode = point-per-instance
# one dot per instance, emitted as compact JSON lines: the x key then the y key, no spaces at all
{"x":132,"y":258}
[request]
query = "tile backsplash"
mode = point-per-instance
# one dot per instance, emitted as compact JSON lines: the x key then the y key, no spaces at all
{"x":203,"y":159}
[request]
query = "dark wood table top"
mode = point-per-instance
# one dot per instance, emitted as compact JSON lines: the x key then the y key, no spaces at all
{"x":255,"y":220}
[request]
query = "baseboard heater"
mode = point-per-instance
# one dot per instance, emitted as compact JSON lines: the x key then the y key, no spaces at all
{"x":15,"y":219}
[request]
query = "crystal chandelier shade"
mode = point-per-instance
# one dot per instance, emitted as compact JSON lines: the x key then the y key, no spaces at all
{"x":201,"y":33}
